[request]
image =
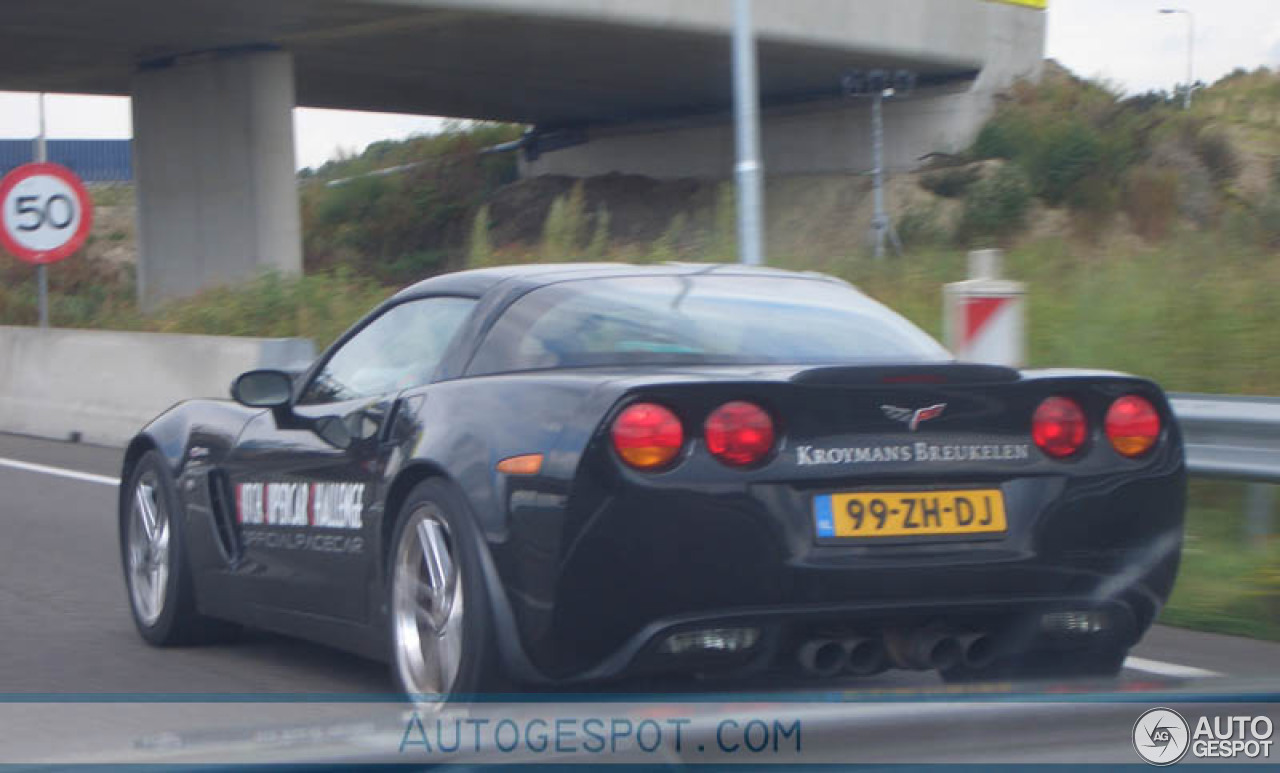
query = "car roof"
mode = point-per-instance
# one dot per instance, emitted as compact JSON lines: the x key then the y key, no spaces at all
{"x":477,"y":282}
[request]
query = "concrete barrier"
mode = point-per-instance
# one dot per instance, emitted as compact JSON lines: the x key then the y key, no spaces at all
{"x":106,"y":385}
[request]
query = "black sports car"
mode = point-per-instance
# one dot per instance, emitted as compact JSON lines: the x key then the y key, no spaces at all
{"x":549,"y":475}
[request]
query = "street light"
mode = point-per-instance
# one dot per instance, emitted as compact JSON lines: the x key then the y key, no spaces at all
{"x":750,"y":167}
{"x":1191,"y":52}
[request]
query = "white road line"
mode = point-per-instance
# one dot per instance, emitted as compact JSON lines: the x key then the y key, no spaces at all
{"x":1168,"y":669}
{"x":60,"y":472}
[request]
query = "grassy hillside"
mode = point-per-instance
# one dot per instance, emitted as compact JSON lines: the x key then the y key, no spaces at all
{"x":400,"y":227}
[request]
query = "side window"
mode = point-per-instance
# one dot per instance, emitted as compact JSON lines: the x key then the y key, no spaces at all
{"x":398,"y":350}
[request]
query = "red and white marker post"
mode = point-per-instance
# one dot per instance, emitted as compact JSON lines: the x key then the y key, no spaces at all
{"x":985,"y":316}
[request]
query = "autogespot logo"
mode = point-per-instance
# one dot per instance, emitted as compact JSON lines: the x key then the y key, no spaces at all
{"x":1161,"y":736}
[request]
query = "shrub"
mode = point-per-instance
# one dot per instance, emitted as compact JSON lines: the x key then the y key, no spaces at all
{"x":457,"y":138}
{"x":1257,"y":224}
{"x":997,"y":206}
{"x":319,"y":306}
{"x":667,"y":246}
{"x":388,"y":225}
{"x":1151,"y":201}
{"x":1069,"y":134}
{"x":82,"y":291}
{"x":724,"y":236}
{"x":1214,"y":149}
{"x":1011,"y":135}
{"x":1093,"y":202}
{"x":923,"y":227}
{"x":1269,"y":222}
{"x":479,"y":246}
{"x":416,"y":265}
{"x":1148,"y":101}
{"x":600,"y":235}
{"x":565,"y":228}
{"x":951,"y":183}
{"x":1067,"y":153}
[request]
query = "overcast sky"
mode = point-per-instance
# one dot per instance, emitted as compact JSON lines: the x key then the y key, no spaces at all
{"x":1124,"y":41}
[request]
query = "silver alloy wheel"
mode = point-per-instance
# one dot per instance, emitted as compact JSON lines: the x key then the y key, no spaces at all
{"x":148,"y":544}
{"x":427,"y":609}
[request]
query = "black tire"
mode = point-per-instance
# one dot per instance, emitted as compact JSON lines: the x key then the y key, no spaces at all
{"x":173,"y":620}
{"x":478,"y":670}
{"x":1098,"y":663}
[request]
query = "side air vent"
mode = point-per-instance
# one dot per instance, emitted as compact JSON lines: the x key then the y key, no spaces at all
{"x":221,"y":500}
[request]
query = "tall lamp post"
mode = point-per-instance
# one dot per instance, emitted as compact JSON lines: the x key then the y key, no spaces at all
{"x":750,"y":167}
{"x":1191,"y":52}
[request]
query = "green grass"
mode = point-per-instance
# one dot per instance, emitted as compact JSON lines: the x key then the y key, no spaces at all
{"x":113,"y":194}
{"x":1219,"y":590}
{"x":1225,"y":585}
{"x":1196,"y":314}
{"x":318,"y":306}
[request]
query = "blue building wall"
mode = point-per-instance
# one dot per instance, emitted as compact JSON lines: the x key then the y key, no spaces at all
{"x":96,"y":161}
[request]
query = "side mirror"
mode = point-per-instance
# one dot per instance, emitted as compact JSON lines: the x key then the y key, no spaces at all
{"x":334,"y":431}
{"x":263,"y":389}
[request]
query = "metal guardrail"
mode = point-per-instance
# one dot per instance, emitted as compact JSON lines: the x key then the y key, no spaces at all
{"x":1238,"y":438}
{"x":1230,"y":437}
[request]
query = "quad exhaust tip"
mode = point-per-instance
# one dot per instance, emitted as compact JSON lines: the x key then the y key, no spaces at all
{"x":979,"y":649}
{"x":864,"y":657}
{"x":822,"y":657}
{"x":930,"y":649}
{"x":857,"y":655}
{"x":926,"y":649}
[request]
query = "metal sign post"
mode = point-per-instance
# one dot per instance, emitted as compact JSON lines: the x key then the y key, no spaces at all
{"x":880,"y":221}
{"x":750,"y":169}
{"x":879,"y":85}
{"x":45,"y":215}
{"x":42,"y":270}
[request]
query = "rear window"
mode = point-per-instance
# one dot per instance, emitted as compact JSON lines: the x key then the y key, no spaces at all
{"x":700,"y":319}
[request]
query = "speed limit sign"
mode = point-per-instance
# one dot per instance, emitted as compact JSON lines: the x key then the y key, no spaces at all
{"x":45,"y":213}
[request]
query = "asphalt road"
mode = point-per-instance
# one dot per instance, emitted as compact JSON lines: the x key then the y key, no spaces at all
{"x":66,"y":628}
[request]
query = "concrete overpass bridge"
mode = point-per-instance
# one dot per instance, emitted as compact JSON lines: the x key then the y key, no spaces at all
{"x":642,"y":85}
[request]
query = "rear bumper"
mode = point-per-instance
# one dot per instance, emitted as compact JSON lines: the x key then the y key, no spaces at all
{"x":783,"y":629}
{"x":651,"y":563}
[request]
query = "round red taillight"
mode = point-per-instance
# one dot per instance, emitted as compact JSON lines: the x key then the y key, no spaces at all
{"x":647,"y":436}
{"x":739,"y":434}
{"x":1059,"y":427}
{"x":1132,"y":425}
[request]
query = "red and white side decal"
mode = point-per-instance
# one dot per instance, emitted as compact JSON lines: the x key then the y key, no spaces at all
{"x":338,"y":505}
{"x":322,"y":505}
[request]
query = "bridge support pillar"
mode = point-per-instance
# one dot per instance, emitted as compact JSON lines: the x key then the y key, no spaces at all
{"x":215,"y":170}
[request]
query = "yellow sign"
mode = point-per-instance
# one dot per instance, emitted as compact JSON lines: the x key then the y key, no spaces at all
{"x":1041,"y":4}
{"x":910,"y":514}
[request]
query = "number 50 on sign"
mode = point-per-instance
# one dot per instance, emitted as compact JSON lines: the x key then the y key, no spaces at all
{"x":45,"y":213}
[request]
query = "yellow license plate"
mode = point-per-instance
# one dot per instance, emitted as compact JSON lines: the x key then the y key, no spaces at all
{"x":910,"y":513}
